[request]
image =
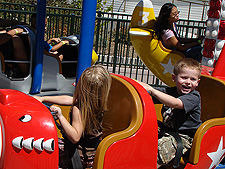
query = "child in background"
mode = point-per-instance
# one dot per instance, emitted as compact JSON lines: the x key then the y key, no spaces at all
{"x":12,"y":48}
{"x":181,"y":110}
{"x":86,"y":114}
{"x":58,"y":43}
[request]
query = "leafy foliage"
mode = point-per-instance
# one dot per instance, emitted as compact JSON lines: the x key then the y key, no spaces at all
{"x":77,"y":4}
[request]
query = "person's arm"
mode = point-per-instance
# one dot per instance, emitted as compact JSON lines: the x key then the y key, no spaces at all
{"x":57,"y":40}
{"x":167,"y":99}
{"x":60,"y":100}
{"x":180,"y":46}
{"x":58,"y":45}
{"x":4,"y":37}
{"x":163,"y":97}
{"x":145,"y":85}
{"x":74,"y":131}
{"x":189,"y":40}
{"x":15,"y":31}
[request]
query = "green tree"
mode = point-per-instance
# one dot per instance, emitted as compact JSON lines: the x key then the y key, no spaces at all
{"x":77,"y":4}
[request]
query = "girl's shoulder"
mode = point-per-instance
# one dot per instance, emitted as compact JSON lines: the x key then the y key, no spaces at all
{"x":167,"y":31}
{"x":75,"y":109}
{"x":75,"y":115}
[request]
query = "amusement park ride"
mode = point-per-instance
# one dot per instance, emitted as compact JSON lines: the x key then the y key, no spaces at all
{"x":28,"y":135}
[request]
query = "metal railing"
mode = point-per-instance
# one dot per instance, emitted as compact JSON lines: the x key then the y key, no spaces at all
{"x":112,"y":40}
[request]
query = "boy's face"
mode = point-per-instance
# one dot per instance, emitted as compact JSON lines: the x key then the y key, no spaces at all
{"x":186,"y":80}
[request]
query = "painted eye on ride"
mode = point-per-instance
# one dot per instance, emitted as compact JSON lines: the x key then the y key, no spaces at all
{"x":25,"y":118}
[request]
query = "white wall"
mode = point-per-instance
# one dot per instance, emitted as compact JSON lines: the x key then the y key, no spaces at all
{"x":195,"y":14}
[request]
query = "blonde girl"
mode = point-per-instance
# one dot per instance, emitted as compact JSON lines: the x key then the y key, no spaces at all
{"x":86,"y":114}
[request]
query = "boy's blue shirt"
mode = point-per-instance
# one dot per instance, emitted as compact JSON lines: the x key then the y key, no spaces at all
{"x":47,"y":46}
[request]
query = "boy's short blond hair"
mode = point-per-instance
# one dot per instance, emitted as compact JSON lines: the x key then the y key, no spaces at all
{"x":187,"y":63}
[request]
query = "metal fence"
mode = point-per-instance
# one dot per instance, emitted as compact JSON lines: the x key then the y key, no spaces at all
{"x":111,"y":42}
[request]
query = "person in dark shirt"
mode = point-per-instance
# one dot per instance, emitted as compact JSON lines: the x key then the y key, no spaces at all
{"x":181,"y":109}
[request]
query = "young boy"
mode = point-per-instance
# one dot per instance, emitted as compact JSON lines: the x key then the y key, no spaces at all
{"x":181,"y":110}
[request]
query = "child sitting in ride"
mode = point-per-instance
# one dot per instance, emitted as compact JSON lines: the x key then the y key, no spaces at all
{"x":58,"y":43}
{"x":166,"y":31}
{"x":12,"y":48}
{"x":181,"y":111}
{"x":86,"y":114}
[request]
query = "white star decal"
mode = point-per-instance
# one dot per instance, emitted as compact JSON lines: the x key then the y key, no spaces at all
{"x":168,"y":67}
{"x":216,"y":156}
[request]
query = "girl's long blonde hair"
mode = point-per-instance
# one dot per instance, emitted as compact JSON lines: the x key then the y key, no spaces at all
{"x":91,"y":95}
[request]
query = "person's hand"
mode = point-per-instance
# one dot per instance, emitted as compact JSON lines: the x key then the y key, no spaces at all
{"x":146,"y":86}
{"x":20,"y":30}
{"x":65,"y":42}
{"x":39,"y":98}
{"x":15,"y":31}
{"x":57,"y":40}
{"x":200,"y":39}
{"x":57,"y":110}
